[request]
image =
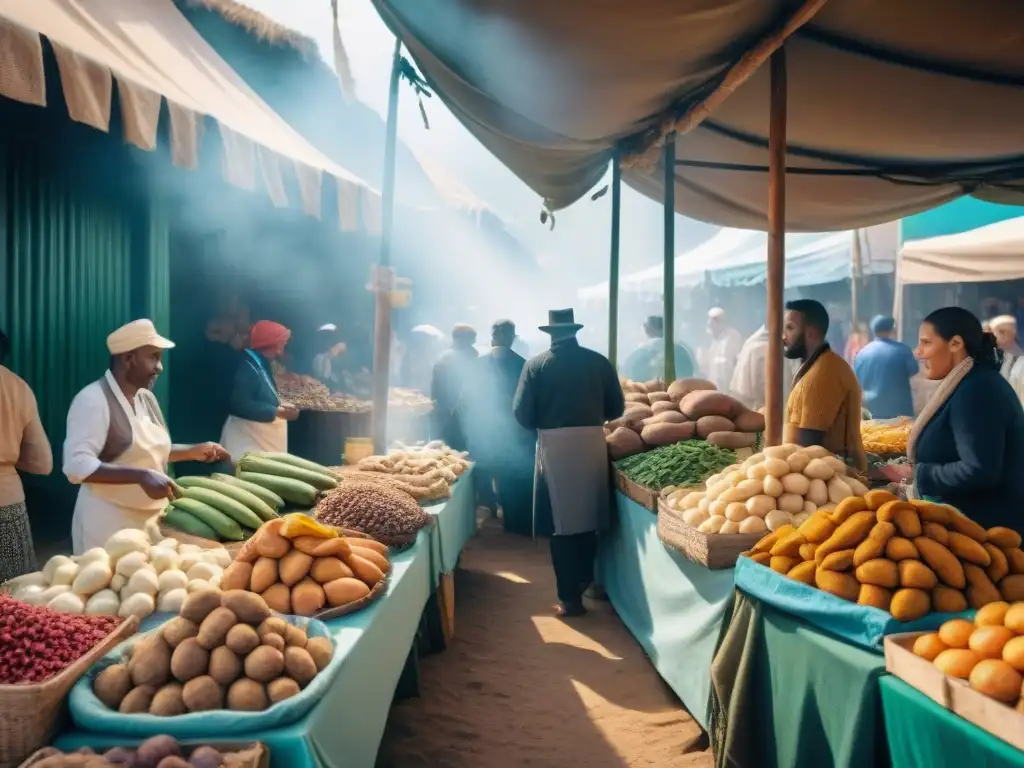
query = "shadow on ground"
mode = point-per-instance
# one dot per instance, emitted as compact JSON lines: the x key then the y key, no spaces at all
{"x":517,"y":687}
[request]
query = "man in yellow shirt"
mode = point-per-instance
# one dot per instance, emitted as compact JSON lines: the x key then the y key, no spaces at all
{"x":824,"y":407}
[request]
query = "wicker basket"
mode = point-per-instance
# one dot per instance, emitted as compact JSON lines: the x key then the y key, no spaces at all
{"x":712,"y":550}
{"x":30,"y":715}
{"x":357,"y":605}
{"x":181,"y":537}
{"x":642,"y":495}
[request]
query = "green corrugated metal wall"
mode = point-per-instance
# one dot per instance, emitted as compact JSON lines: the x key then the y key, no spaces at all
{"x":80,"y":258}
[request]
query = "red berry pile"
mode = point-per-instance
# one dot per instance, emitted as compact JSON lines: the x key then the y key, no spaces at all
{"x":36,"y":643}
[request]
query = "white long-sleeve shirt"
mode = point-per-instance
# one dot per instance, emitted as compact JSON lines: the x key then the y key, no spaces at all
{"x":23,"y":442}
{"x":719,"y":359}
{"x":88,"y":427}
{"x":748,"y":378}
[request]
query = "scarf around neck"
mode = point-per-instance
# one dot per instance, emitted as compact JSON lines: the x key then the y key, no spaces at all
{"x":939,"y":397}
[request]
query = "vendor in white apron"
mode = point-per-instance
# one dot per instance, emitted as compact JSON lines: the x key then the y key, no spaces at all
{"x":117,"y":446}
{"x":258,"y":420}
{"x":567,"y":393}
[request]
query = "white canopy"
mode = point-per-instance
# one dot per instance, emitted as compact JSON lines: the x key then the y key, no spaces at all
{"x":153,"y":53}
{"x":987,"y":254}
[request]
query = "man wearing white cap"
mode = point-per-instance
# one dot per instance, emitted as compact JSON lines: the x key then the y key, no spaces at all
{"x":719,"y":359}
{"x":117,"y":446}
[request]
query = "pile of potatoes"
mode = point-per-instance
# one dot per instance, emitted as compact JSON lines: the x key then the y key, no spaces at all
{"x":300,"y":567}
{"x":988,"y":653}
{"x":225,"y":651}
{"x":656,"y":415}
{"x":154,"y":752}
{"x":783,"y":485}
{"x":905,"y":557}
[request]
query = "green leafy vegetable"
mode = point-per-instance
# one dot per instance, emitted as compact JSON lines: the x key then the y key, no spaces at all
{"x":687,"y":463}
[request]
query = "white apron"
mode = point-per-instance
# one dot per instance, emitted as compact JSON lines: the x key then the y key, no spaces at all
{"x":241,"y":436}
{"x":102,"y":510}
{"x":574,"y":464}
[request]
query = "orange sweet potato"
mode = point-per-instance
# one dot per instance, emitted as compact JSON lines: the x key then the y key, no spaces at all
{"x":667,"y":434}
{"x":699,"y":404}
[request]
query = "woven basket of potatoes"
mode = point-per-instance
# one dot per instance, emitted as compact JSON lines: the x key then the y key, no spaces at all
{"x":225,"y":651}
{"x":303,"y":568}
{"x":782,"y":485}
{"x":908,"y":558}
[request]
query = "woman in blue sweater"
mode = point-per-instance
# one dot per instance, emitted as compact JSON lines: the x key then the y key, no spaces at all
{"x":967,"y":446}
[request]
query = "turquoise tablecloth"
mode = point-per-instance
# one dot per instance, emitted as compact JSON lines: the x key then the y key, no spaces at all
{"x":673,"y":607}
{"x":346,"y":727}
{"x":454,"y":525}
{"x":921,"y":733}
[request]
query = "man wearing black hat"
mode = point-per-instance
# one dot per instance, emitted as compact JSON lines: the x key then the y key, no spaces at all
{"x":566,"y":394}
{"x":502,"y":449}
{"x":648,"y":360}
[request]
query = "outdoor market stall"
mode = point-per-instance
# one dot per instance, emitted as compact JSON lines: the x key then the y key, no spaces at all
{"x":329,"y":571}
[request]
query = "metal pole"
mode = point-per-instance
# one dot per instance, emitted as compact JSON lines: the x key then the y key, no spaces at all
{"x":669,"y":275}
{"x":776,"y":247}
{"x":613,"y":278}
{"x":383,"y":280}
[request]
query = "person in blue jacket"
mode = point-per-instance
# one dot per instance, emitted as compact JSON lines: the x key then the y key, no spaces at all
{"x":967,"y":446}
{"x":884,"y":368}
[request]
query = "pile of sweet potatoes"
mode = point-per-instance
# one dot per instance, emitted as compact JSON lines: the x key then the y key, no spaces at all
{"x":688,"y":408}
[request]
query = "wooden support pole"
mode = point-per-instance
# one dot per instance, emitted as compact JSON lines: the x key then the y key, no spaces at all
{"x":669,"y":274}
{"x":776,"y":248}
{"x":613,"y":277}
{"x":855,"y":273}
{"x":383,"y":277}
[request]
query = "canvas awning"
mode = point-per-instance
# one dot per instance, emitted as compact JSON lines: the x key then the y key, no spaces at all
{"x":988,"y":254}
{"x":894,"y":107}
{"x":154,"y":54}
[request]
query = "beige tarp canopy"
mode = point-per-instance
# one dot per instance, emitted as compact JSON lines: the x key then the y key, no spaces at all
{"x":991,"y":253}
{"x":894,"y":107}
{"x":153,"y":53}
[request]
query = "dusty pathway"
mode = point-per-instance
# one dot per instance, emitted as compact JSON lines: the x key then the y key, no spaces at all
{"x":518,"y":687}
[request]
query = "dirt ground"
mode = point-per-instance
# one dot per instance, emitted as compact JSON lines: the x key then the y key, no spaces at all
{"x":518,"y":687}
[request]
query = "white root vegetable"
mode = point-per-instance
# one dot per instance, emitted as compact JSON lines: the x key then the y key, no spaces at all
{"x":34,"y":579}
{"x":171,"y":602}
{"x":694,"y":517}
{"x":91,"y":578}
{"x":170,"y":580}
{"x":691,"y":500}
{"x":753,"y":525}
{"x":712,"y":524}
{"x":729,"y":527}
{"x":718,"y":507}
{"x":838,"y":465}
{"x":817,"y":469}
{"x":67,"y":602}
{"x":203,"y":570}
{"x":118,"y":582}
{"x":776,"y":467}
{"x":163,"y":559}
{"x":790,"y":502}
{"x":65,"y":574}
{"x":838,"y":490}
{"x":52,"y":565}
{"x":103,"y":603}
{"x":125,"y":541}
{"x":217,"y":556}
{"x":31,"y":594}
{"x":140,"y":604}
{"x":171,"y":544}
{"x":197,"y":584}
{"x":817,"y":492}
{"x":810,"y":507}
{"x":187,"y":560}
{"x":757,"y":472}
{"x":760,"y":505}
{"x":796,"y":483}
{"x":132,"y":561}
{"x":797,"y":461}
{"x":773,"y":487}
{"x":52,"y":591}
{"x":737,"y":512}
{"x":143,"y":581}
{"x":94,"y":555}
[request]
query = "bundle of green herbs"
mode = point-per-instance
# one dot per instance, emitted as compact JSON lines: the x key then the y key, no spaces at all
{"x":682,"y":464}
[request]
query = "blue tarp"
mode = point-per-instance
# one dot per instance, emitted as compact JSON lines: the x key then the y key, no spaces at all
{"x":811,"y":259}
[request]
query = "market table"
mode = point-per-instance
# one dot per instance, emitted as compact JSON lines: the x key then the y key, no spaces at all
{"x":920,"y":732}
{"x":346,"y":726}
{"x":672,"y":606}
{"x":786,"y":693}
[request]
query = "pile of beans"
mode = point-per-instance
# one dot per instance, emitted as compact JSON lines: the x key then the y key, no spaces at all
{"x":36,"y":643}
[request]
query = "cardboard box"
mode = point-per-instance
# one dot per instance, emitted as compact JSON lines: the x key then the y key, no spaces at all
{"x":1001,"y":720}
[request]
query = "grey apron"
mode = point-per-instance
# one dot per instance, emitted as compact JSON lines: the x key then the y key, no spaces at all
{"x":574,"y":463}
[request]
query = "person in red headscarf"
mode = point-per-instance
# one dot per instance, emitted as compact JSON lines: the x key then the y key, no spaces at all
{"x":257,"y":418}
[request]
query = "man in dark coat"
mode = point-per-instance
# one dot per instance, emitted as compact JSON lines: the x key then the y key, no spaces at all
{"x":566,"y":394}
{"x":451,"y":373}
{"x":502,"y":449}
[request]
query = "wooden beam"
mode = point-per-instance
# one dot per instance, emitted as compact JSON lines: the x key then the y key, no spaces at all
{"x":613,"y":277}
{"x":740,"y":72}
{"x":383,"y":277}
{"x":669,"y":273}
{"x":776,"y":248}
